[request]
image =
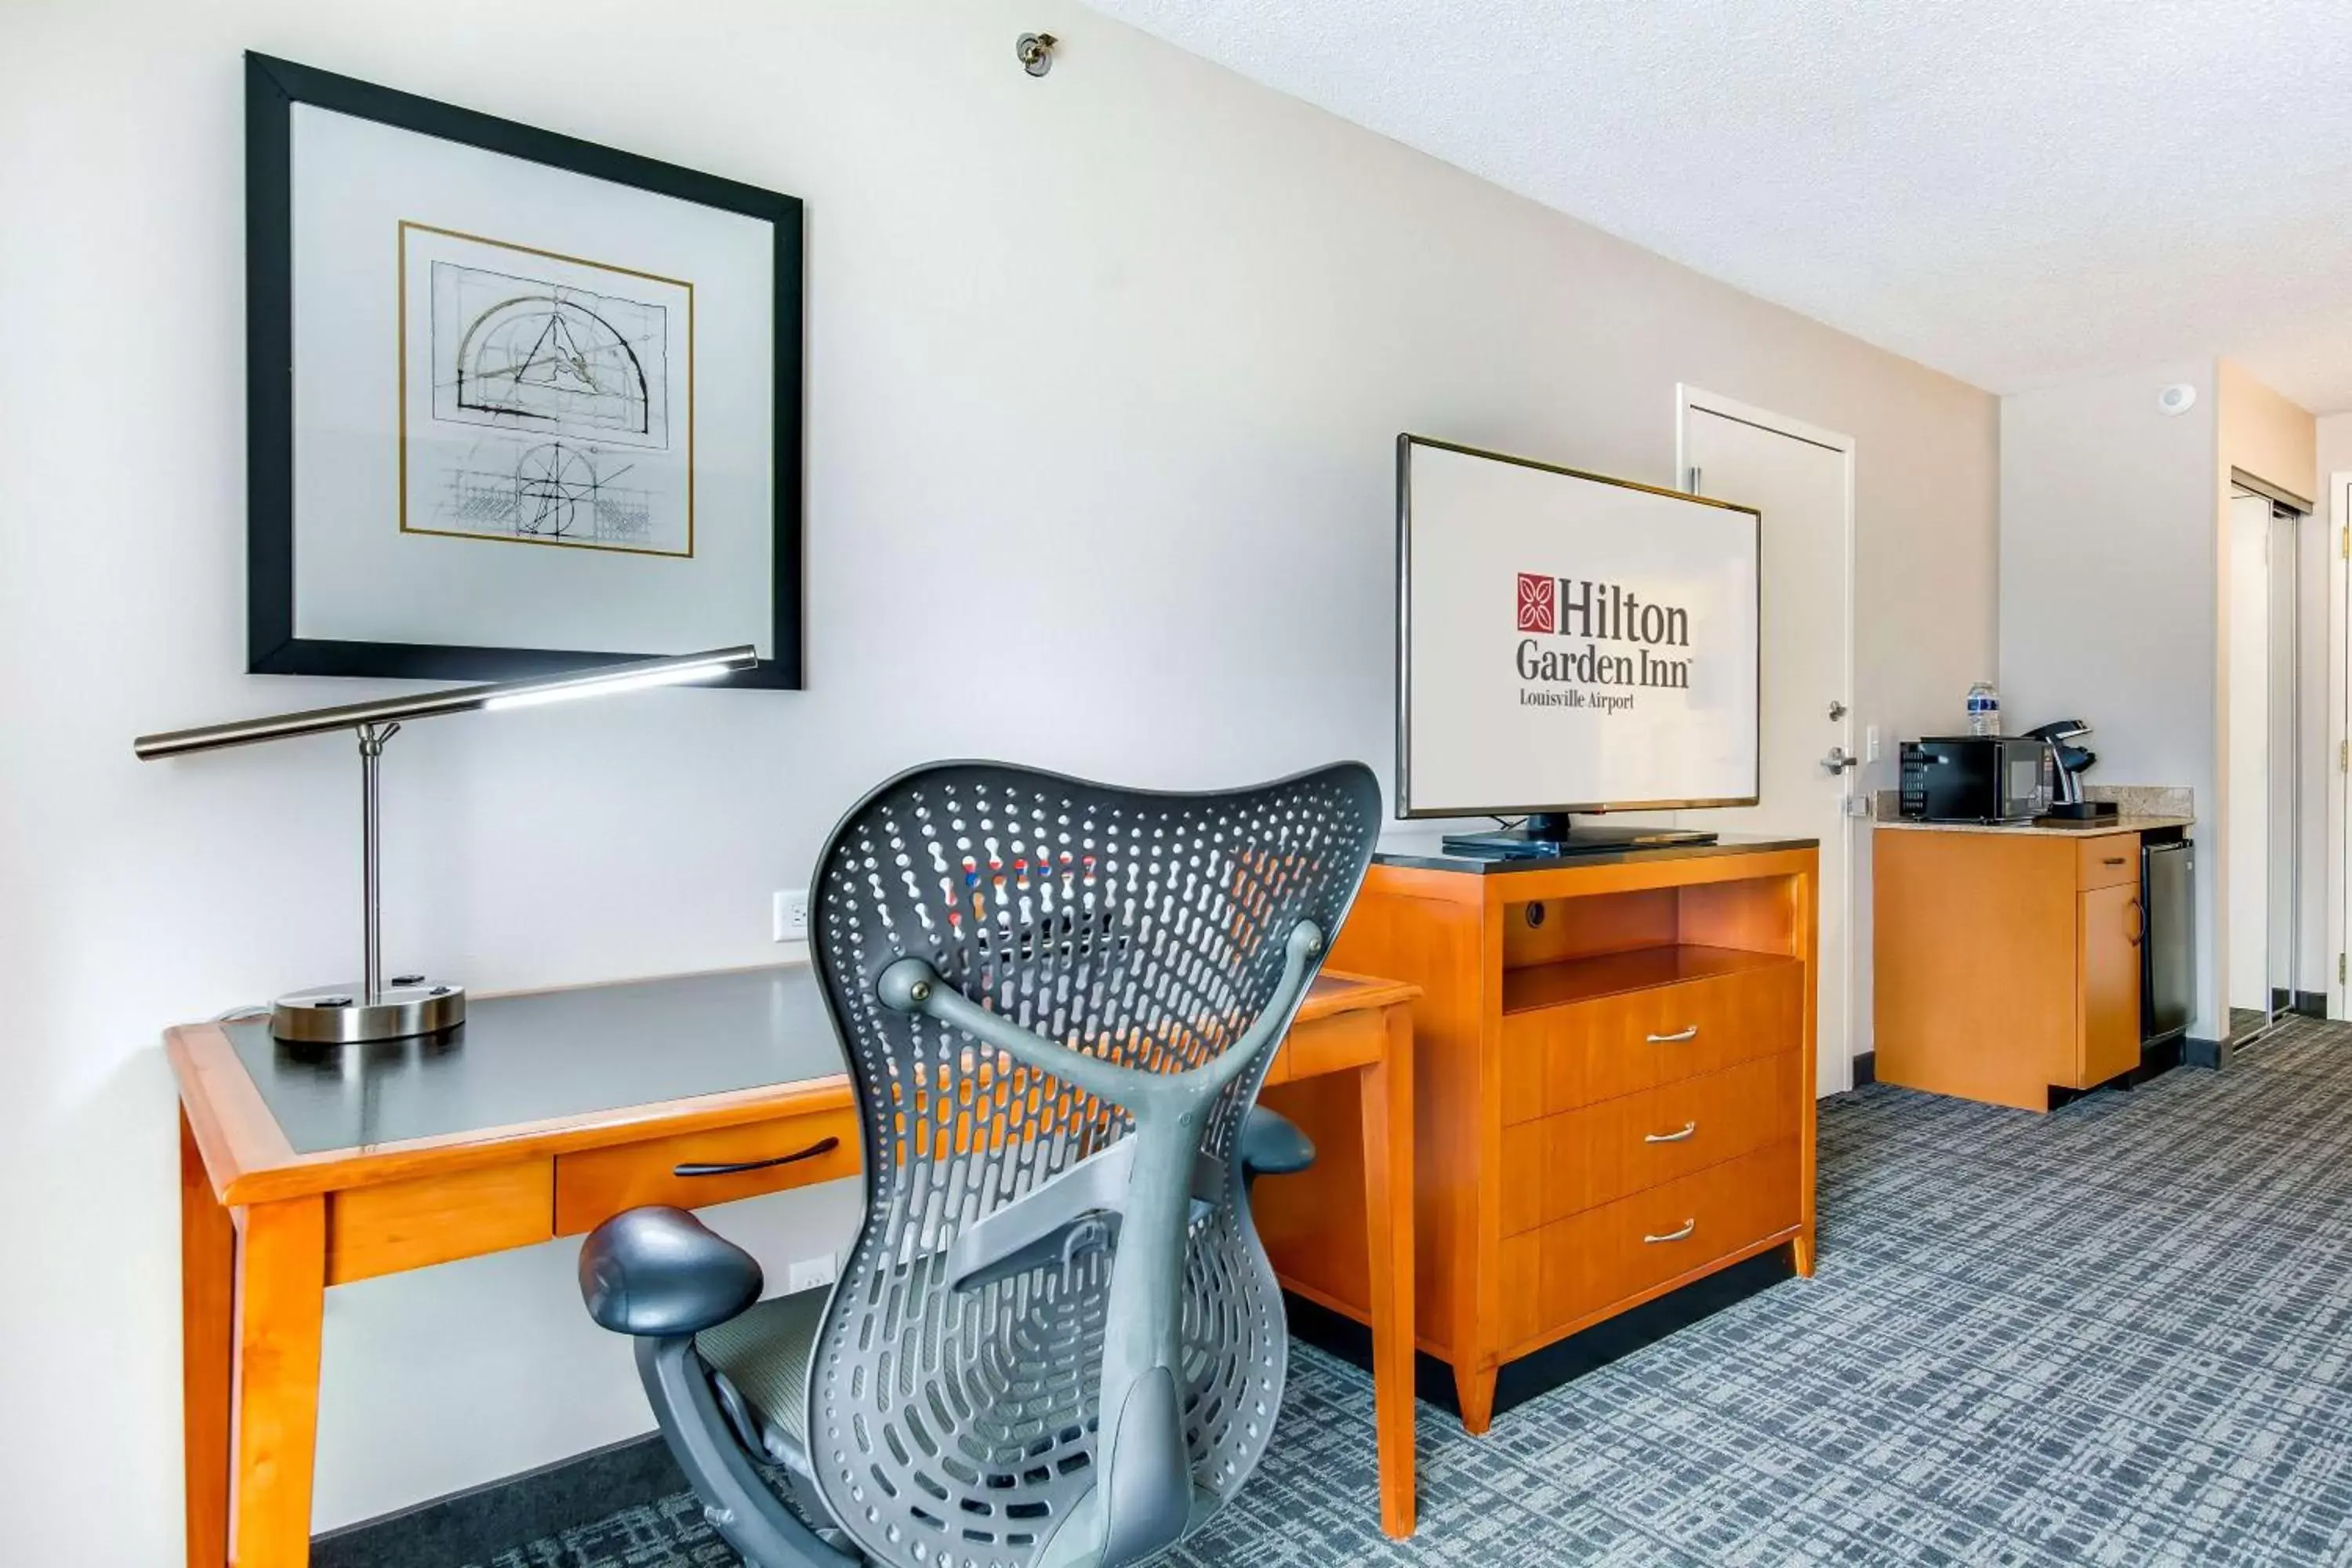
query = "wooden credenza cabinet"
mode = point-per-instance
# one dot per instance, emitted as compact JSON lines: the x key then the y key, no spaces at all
{"x":1613,"y":1086}
{"x":2008,"y":962}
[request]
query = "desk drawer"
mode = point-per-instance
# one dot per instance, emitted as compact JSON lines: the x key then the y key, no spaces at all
{"x":399,"y":1226}
{"x":594,"y":1184}
{"x":1566,"y":1163}
{"x":2108,"y":860}
{"x":1596,"y":1051}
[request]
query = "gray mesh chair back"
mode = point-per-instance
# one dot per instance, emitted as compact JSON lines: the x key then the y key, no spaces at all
{"x":1057,"y":1339}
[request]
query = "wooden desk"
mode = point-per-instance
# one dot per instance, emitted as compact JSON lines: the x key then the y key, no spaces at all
{"x":303,"y":1167}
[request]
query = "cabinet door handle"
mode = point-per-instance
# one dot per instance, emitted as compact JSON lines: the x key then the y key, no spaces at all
{"x":2140,"y":921}
{"x":821,"y":1146}
{"x":1691,"y":1033}
{"x":1682,"y":1235}
{"x":1688,"y":1127}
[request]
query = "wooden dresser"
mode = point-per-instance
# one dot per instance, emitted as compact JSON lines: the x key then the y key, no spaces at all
{"x":2007,"y":959}
{"x":1613,"y":1083}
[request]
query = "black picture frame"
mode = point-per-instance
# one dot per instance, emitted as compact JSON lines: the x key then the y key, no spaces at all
{"x":272,"y":88}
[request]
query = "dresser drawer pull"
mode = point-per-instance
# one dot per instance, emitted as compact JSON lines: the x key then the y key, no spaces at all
{"x":1689,"y":1034}
{"x":2113,"y":860}
{"x":1682,"y":1235}
{"x":1688,"y":1127}
{"x":821,"y":1146}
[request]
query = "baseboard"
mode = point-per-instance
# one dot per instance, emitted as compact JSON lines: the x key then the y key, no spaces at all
{"x":476,"y":1524}
{"x":1865,"y":1068}
{"x":2209,"y":1054}
{"x":2158,"y":1057}
{"x":1563,"y":1361}
{"x":2310,"y":1004}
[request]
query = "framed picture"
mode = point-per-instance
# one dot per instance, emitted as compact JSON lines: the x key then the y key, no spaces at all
{"x":518,"y":403}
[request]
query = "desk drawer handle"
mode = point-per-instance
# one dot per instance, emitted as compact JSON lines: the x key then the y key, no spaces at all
{"x":1688,"y":1127}
{"x":2113,"y":860}
{"x":1689,"y":1034}
{"x":1682,"y":1235}
{"x":821,"y":1146}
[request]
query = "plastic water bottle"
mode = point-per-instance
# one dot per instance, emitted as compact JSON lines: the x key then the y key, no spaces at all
{"x":1984,"y":709}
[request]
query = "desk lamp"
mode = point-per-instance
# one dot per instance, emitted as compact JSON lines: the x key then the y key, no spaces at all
{"x":376,"y":1008}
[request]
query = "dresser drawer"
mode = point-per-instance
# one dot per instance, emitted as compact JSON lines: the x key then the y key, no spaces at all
{"x":1612,"y":1045}
{"x":594,"y":1184}
{"x":1566,"y":1163}
{"x":1596,"y":1260}
{"x":2105,"y":861}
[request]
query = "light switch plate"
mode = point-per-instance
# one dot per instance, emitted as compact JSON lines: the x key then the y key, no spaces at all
{"x":792,"y":915}
{"x":1870,"y":742}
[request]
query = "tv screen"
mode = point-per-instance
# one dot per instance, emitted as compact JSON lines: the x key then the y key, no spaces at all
{"x":1566,"y":642}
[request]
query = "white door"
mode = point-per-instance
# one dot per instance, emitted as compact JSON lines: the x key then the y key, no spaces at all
{"x":1801,"y":480}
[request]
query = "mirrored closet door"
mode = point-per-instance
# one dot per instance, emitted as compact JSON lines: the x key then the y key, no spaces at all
{"x":2269,"y":665}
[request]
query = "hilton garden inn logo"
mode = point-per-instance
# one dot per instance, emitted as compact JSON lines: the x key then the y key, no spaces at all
{"x":1593,"y":614}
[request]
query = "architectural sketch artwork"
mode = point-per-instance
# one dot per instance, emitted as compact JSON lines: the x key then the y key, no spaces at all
{"x":555,"y":492}
{"x":552,"y":406}
{"x":526,"y":354}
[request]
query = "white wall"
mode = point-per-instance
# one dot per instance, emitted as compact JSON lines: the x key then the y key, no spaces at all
{"x":2107,"y":567}
{"x":1103,"y":373}
{"x":2334,"y":438}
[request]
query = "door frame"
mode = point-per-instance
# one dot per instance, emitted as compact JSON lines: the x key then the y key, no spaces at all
{"x":1688,"y":400}
{"x":2339,"y":705}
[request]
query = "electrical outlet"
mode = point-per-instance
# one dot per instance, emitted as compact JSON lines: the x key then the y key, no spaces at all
{"x":792,"y":915}
{"x":811,"y":1274}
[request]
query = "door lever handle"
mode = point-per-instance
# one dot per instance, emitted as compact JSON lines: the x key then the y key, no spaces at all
{"x":1837,"y":761}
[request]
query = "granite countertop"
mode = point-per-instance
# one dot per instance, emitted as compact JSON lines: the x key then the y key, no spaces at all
{"x":2087,"y":830}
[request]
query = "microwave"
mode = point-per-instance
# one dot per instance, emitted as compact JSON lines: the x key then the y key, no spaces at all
{"x":1977,"y":778}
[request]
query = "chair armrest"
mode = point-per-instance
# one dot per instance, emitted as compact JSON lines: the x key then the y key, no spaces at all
{"x":660,"y":1271}
{"x":1271,"y":1145}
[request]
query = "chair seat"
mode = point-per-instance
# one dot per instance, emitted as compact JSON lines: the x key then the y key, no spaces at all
{"x":765,"y":1353}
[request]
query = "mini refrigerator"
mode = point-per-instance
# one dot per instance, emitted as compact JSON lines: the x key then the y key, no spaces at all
{"x":2167,"y":951}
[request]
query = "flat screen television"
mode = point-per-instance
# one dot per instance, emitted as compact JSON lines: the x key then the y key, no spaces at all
{"x":1569,"y":642}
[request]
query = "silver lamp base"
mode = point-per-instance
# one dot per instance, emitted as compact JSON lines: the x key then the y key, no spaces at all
{"x":338,"y":1014}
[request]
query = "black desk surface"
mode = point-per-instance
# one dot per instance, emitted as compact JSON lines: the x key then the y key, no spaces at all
{"x":1430,"y":855}
{"x":549,"y":1054}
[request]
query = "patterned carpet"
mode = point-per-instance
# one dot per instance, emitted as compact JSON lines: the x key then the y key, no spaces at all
{"x":2121,"y":1334}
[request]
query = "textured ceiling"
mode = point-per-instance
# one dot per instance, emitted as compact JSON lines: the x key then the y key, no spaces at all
{"x":2018,"y":192}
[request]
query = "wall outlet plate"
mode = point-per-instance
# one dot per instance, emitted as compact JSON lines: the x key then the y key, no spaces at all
{"x":792,"y":915}
{"x":811,"y":1274}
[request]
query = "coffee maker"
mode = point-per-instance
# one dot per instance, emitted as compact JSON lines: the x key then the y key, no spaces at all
{"x":2073,"y":762}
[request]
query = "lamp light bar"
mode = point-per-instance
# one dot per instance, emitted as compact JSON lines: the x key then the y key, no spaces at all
{"x":610,"y":684}
{"x":635,"y":675}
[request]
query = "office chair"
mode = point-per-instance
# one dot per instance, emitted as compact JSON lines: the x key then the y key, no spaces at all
{"x":1057,"y":1340}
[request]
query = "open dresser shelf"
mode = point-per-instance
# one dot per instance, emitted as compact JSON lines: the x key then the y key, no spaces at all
{"x":1570,"y":980}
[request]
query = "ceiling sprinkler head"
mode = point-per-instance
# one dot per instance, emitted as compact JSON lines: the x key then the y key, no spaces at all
{"x":1036,"y":52}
